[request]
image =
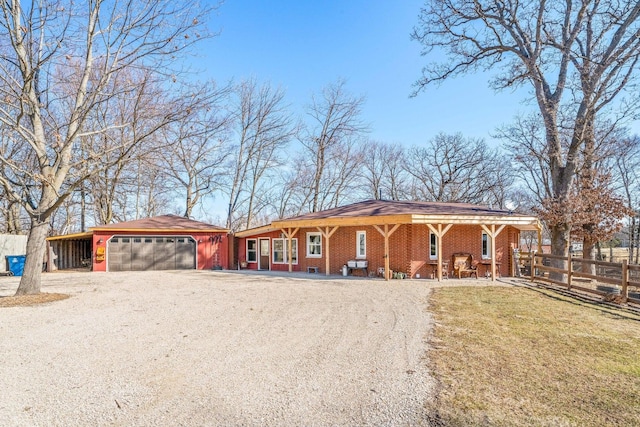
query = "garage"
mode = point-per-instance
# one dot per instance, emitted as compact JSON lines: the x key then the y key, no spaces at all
{"x":165,"y":242}
{"x":137,"y":253}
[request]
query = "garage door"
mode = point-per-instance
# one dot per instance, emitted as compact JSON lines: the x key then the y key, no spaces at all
{"x":136,"y":253}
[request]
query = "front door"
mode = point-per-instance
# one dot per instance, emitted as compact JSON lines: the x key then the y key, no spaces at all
{"x":263,"y":255}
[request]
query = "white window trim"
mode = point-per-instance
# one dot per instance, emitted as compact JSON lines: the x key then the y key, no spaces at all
{"x":285,"y":243}
{"x":358,"y":254}
{"x":432,"y":235}
{"x":247,"y":251}
{"x":309,"y":234}
{"x":488,"y":254}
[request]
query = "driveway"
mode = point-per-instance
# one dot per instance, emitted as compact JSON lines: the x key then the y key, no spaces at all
{"x":216,"y":348}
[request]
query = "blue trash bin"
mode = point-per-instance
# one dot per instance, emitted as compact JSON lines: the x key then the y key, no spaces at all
{"x":15,"y":264}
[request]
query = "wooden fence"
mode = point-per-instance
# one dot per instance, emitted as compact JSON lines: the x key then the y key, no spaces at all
{"x":596,"y":277}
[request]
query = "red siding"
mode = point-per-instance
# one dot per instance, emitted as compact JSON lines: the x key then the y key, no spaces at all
{"x":211,"y":247}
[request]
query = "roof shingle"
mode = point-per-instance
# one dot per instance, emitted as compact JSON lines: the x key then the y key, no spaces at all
{"x":388,"y":207}
{"x":162,"y":223}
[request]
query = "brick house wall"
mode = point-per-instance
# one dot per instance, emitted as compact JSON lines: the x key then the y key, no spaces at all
{"x":408,"y":248}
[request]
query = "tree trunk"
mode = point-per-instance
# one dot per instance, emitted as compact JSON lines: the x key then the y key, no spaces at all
{"x":559,"y":246}
{"x":611,"y":252}
{"x":83,"y":209}
{"x":588,"y":252}
{"x":31,"y":277}
{"x":13,"y":219}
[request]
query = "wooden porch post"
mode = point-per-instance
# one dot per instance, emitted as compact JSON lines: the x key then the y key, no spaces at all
{"x":327,"y":233}
{"x":289,"y":235}
{"x":439,"y":232}
{"x":386,"y":234}
{"x":493,"y":234}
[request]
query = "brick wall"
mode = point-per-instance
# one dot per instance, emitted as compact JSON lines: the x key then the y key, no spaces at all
{"x":408,"y":248}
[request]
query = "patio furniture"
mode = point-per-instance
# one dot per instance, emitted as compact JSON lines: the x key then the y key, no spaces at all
{"x":434,"y":269}
{"x":486,"y":263}
{"x":358,"y":265}
{"x":463,"y":264}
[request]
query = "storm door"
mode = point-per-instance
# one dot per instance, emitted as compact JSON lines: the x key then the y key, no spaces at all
{"x":263,"y":255}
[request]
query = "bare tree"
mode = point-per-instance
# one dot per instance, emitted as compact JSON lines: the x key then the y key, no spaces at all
{"x":382,"y":171}
{"x":129,"y":121}
{"x":524,"y":140}
{"x":334,"y":121}
{"x":59,"y":62}
{"x":627,"y":167}
{"x":339,"y":184}
{"x":264,"y":127}
{"x":10,"y":214}
{"x":195,"y":148}
{"x":452,"y":168}
{"x":576,"y":56}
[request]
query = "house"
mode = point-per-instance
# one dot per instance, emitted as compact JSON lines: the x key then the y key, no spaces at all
{"x":167,"y":242}
{"x":416,"y":238}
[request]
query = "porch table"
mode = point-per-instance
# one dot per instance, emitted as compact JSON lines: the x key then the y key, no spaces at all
{"x":487,"y":267}
{"x":434,"y":269}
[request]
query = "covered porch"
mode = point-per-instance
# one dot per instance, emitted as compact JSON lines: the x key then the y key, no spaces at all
{"x":401,"y":236}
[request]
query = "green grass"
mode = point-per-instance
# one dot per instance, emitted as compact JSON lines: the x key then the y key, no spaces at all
{"x":523,"y":357}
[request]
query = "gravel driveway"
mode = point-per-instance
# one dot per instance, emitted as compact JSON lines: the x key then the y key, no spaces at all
{"x":215,"y":348}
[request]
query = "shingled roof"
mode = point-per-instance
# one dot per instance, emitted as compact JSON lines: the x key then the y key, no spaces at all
{"x":161,"y":223}
{"x":374,"y":208}
{"x":379,"y":212}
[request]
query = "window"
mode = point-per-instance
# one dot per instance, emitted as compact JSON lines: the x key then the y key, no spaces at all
{"x":486,"y":246}
{"x":433,"y":246}
{"x":294,"y":251}
{"x":252,"y":250}
{"x":314,"y":245}
{"x":361,"y":244}
{"x":280,"y":251}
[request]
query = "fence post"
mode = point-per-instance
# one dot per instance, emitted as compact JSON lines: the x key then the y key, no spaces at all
{"x":569,"y":272}
{"x":625,"y":280}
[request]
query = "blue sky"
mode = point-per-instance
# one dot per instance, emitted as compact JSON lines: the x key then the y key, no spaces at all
{"x":304,"y":45}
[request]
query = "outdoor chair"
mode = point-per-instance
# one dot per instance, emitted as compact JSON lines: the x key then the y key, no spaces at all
{"x":463,"y":264}
{"x":445,"y":269}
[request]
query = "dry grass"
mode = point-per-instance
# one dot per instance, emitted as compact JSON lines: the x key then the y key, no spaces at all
{"x":522,"y":357}
{"x":26,"y":300}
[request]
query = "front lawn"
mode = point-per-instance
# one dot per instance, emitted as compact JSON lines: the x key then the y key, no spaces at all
{"x":528,"y":357}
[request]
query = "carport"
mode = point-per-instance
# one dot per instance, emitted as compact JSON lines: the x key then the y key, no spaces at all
{"x":68,"y":251}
